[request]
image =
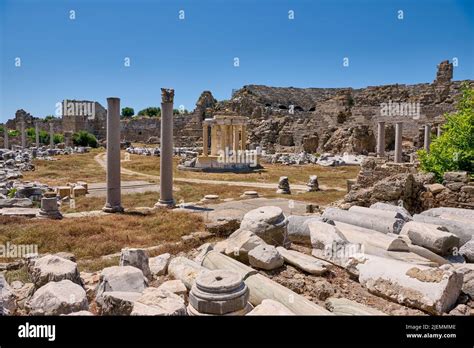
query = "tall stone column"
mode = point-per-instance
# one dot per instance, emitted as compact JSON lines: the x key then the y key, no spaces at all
{"x":166,"y":153}
{"x":37,"y":136}
{"x":229,"y":135}
{"x":398,"y":142}
{"x":23,"y":135}
{"x":381,"y":139}
{"x":113,"y":203}
{"x":223,"y":137}
{"x":243,"y":141}
{"x":51,"y":135}
{"x":235,"y":144}
{"x":214,"y":140}
{"x":205,"y":139}
{"x":427,"y":138}
{"x":5,"y":137}
{"x":438,"y":130}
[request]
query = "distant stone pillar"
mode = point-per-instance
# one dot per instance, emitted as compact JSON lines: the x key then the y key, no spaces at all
{"x":427,"y":138}
{"x":166,"y":154}
{"x":49,"y":206}
{"x":229,"y":135}
{"x":223,"y":137}
{"x":68,"y":138}
{"x":398,"y":142}
{"x":381,"y":139}
{"x":113,"y":202}
{"x":438,"y":130}
{"x":51,"y":135}
{"x":235,"y":144}
{"x":23,"y":135}
{"x":205,"y":139}
{"x":214,"y":140}
{"x":37,"y":136}
{"x":5,"y":137}
{"x":243,"y":141}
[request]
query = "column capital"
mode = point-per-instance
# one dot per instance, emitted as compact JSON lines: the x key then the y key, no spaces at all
{"x":167,"y":95}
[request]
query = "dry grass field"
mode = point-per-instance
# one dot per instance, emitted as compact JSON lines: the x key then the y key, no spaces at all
{"x":83,"y":167}
{"x":92,"y":237}
{"x":329,"y":176}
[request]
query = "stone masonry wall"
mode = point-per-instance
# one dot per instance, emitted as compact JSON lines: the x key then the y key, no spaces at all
{"x":293,"y":119}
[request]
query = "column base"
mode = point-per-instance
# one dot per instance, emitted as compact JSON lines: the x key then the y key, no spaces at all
{"x":112,"y":209}
{"x":55,"y":215}
{"x":165,"y":204}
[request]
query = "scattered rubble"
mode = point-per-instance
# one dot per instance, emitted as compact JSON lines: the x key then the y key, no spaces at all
{"x":434,"y":290}
{"x":159,"y":264}
{"x":265,"y":257}
{"x":137,"y":258}
{"x":52,"y":268}
{"x":270,"y":307}
{"x":57,"y":298}
{"x":269,"y":223}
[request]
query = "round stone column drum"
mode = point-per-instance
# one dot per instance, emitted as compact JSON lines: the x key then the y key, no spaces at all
{"x":219,"y":292}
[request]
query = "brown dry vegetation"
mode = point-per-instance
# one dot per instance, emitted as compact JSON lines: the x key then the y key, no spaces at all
{"x":67,"y":168}
{"x":92,"y":237}
{"x":70,"y":168}
{"x":83,"y":167}
{"x":330,"y":176}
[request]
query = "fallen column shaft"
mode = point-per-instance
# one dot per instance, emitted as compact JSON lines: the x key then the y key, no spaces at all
{"x":364,"y":236}
{"x":433,"y":290}
{"x":463,"y":230}
{"x":384,"y":225}
{"x":262,"y":287}
{"x":431,"y":237}
{"x":435,"y":212}
{"x":384,"y":214}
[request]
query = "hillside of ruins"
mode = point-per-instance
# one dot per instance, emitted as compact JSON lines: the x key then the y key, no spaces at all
{"x":278,"y":201}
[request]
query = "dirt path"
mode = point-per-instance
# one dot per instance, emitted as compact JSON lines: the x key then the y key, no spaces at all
{"x":100,"y":158}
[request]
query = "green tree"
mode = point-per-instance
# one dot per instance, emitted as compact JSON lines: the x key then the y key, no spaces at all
{"x":454,"y":148}
{"x":58,"y":138}
{"x":44,"y":137}
{"x":50,"y":118}
{"x":31,"y":134}
{"x":83,"y":138}
{"x":128,"y":112}
{"x":150,"y":111}
{"x":179,"y":112}
{"x":13,"y":133}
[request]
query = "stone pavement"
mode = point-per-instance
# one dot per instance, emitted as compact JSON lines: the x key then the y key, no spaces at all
{"x":289,"y":206}
{"x":127,"y":187}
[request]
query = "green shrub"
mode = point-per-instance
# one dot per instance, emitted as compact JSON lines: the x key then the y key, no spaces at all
{"x":11,"y":192}
{"x":83,"y":138}
{"x":128,"y":112}
{"x":58,"y":138}
{"x":43,"y":137}
{"x":31,"y":134}
{"x":150,"y":111}
{"x":13,"y":133}
{"x":454,"y":149}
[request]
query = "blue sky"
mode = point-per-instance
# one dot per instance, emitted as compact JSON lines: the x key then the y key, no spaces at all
{"x":84,"y":58}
